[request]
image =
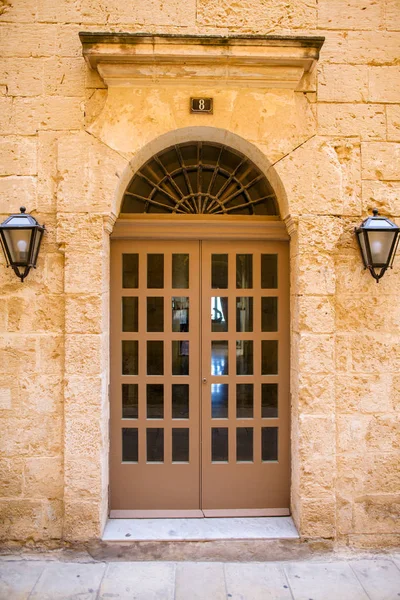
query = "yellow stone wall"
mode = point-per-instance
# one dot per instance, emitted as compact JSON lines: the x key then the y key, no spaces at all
{"x":67,"y":148}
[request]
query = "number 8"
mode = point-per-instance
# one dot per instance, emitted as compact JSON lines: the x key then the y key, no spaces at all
{"x":201,"y":104}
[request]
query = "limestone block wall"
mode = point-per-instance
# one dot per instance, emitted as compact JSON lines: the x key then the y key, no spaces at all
{"x":66,"y":143}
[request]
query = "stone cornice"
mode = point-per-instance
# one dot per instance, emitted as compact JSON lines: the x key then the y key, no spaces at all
{"x":271,"y":61}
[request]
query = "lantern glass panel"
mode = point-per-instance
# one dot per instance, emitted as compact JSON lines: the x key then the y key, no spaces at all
{"x":18,"y":242}
{"x":36,"y":245}
{"x":380,"y":244}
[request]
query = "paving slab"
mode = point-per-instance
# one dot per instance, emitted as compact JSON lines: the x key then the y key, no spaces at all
{"x":396,"y":560}
{"x":243,"y":528}
{"x":200,"y":581}
{"x":138,"y":581}
{"x":379,"y":578}
{"x":64,"y":581}
{"x":256,"y":581}
{"x":17,"y":579}
{"x":324,"y":581}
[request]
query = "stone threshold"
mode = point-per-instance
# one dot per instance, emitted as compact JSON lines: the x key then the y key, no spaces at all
{"x":200,"y":530}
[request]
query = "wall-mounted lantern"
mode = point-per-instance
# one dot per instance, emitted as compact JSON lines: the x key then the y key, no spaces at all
{"x":20,"y":237}
{"x":378,"y":238}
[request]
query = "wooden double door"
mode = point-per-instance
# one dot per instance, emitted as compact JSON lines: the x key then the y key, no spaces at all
{"x":199,"y":378}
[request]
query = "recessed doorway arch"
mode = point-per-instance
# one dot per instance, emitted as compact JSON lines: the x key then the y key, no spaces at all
{"x":199,"y":338}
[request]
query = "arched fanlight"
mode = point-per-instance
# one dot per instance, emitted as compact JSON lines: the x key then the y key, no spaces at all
{"x":378,"y":238}
{"x":21,"y":236}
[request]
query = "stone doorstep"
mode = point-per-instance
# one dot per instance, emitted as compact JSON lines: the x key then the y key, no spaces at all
{"x":207,"y":539}
{"x":204,"y":529}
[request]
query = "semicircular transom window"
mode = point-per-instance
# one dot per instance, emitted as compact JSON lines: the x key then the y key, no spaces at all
{"x":200,"y":178}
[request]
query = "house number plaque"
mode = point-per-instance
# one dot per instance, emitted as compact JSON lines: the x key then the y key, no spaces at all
{"x":201,"y":105}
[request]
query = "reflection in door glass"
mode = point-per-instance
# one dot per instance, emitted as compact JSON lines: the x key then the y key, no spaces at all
{"x":155,"y":401}
{"x":244,"y":314}
{"x":180,"y":401}
{"x":269,"y":271}
{"x":130,"y":270}
{"x":269,"y":443}
{"x":244,"y":400}
{"x":155,"y":271}
{"x":244,"y":357}
{"x":180,"y":271}
{"x":130,"y":358}
{"x":130,"y":401}
{"x":155,"y":313}
{"x":155,"y":444}
{"x":219,"y":444}
{"x":269,"y":357}
{"x":155,"y":357}
{"x":180,"y":444}
{"x":219,"y":358}
{"x":219,"y":314}
{"x":130,"y":313}
{"x":269,"y":395}
{"x":219,"y":400}
{"x":244,"y":444}
{"x":180,"y":357}
{"x":244,"y":271}
{"x":269,"y":314}
{"x":219,"y":271}
{"x":129,"y":445}
{"x":180,"y":313}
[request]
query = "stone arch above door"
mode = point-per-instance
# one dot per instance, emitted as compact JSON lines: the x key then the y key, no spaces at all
{"x":209,"y":135}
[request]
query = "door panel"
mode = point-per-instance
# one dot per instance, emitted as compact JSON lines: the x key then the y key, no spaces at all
{"x":155,"y":376}
{"x":199,"y":377}
{"x":245,"y":360}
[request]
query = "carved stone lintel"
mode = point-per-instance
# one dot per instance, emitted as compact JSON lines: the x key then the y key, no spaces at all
{"x":124,"y":59}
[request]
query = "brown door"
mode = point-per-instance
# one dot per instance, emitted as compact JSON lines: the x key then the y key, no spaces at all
{"x":199,"y":378}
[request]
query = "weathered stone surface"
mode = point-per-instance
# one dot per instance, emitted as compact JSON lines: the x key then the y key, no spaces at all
{"x":377,"y":514}
{"x":85,"y":314}
{"x":369,"y":393}
{"x":24,"y":41}
{"x":358,"y":313}
{"x":380,"y":160}
{"x":17,"y":156}
{"x":87,"y":179}
{"x":22,"y":76}
{"x":393,"y":123}
{"x":316,"y":314}
{"x":343,"y":83}
{"x":375,"y":47}
{"x":322,"y":177}
{"x":357,"y":352}
{"x":318,"y":518}
{"x":82,"y":521}
{"x":11,"y":477}
{"x":350,"y":14}
{"x":361,"y":121}
{"x":12,"y":189}
{"x":47,"y":113}
{"x":43,"y":478}
{"x":316,"y":393}
{"x":258,"y":15}
{"x":392,"y":20}
{"x":64,"y":76}
{"x":383,"y":195}
{"x":316,"y":353}
{"x":382,"y":84}
{"x":20,"y":519}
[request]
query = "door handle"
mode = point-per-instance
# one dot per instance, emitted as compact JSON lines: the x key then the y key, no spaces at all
{"x":204,"y":380}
